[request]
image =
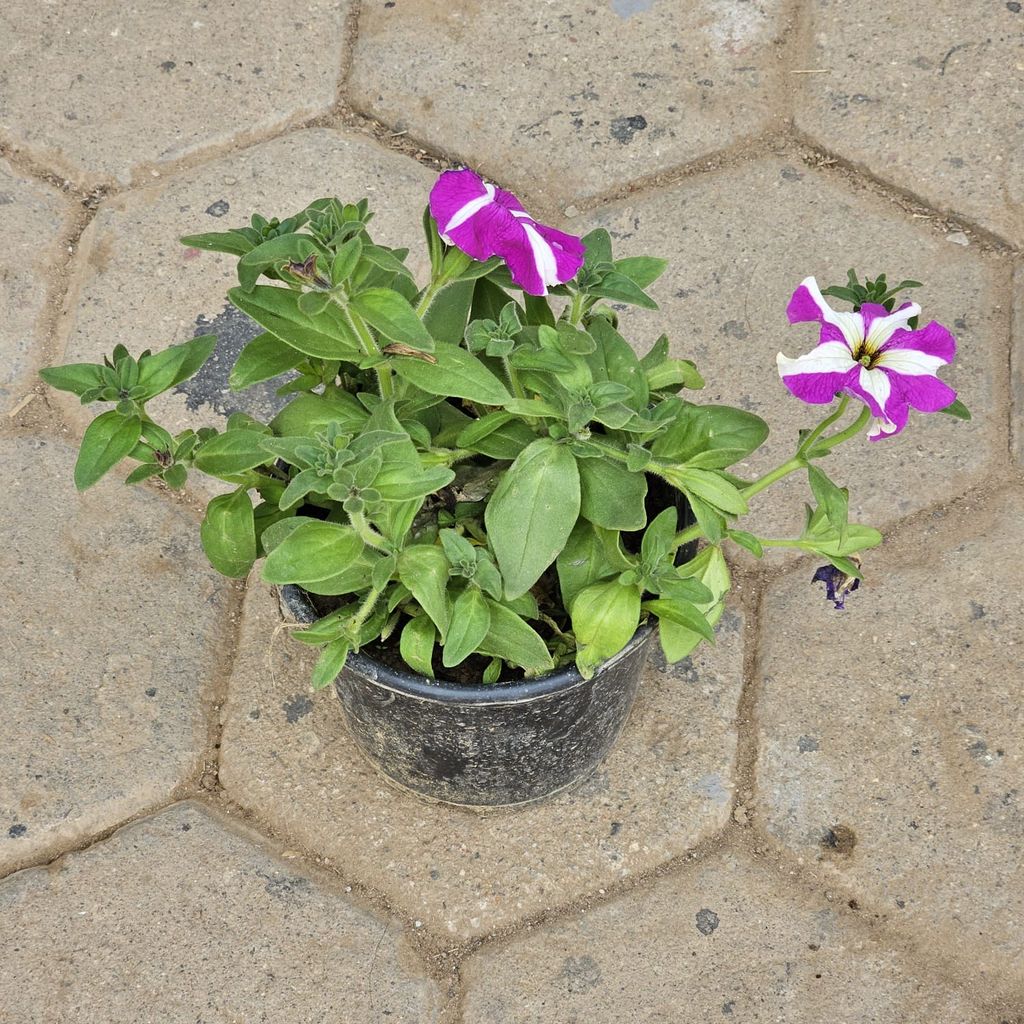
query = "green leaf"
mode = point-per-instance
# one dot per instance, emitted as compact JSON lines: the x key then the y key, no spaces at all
{"x":683,"y":613}
{"x":262,"y":358}
{"x":832,"y":499}
{"x":955,"y":408}
{"x":78,"y":378}
{"x":612,"y":496}
{"x":386,"y":310}
{"x":658,"y":537}
{"x":231,"y":453}
{"x":674,"y":373}
{"x":307,"y":415}
{"x":236,"y":242}
{"x":709,"y":567}
{"x":330,"y":663}
{"x":423,"y":568}
{"x":709,"y":519}
{"x":616,"y":361}
{"x":163,"y":370}
{"x":316,"y":554}
{"x":597,"y":246}
{"x":416,"y":645}
{"x":228,"y":534}
{"x":325,"y":335}
{"x":532,"y":512}
{"x":107,"y":440}
{"x":512,"y":639}
{"x":446,"y":316}
{"x":590,"y":554}
{"x":641,"y":270}
{"x":455,"y":372}
{"x":143,"y":472}
{"x":471,"y":620}
{"x":620,"y":288}
{"x":291,"y":248}
{"x":345,"y":260}
{"x":604,"y":618}
{"x":709,"y":486}
{"x":711,"y":436}
{"x":746,"y":540}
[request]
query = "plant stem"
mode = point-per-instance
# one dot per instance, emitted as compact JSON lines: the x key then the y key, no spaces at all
{"x":576,"y":310}
{"x":813,"y":436}
{"x":369,"y":347}
{"x":367,"y":534}
{"x":356,"y":622}
{"x":799,"y":461}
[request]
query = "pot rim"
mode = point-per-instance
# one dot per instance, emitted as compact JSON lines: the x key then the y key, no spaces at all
{"x":410,"y":684}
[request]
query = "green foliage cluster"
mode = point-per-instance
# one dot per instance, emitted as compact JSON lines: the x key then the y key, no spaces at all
{"x":460,"y":467}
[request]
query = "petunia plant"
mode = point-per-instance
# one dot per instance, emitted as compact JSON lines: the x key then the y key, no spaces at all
{"x":479,"y":474}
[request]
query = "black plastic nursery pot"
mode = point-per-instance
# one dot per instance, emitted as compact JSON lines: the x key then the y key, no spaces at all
{"x":484,"y":746}
{"x":499,"y":745}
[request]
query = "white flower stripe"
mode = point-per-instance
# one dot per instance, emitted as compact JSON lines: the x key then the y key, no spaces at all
{"x":850,"y":324}
{"x":471,"y":208}
{"x":910,"y":362}
{"x":829,"y":357}
{"x":542,"y":255}
{"x":876,"y":384}
{"x":883,"y":327}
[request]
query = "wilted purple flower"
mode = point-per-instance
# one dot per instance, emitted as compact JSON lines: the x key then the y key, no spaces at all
{"x":837,"y":584}
{"x":871,"y":355}
{"x":483,"y":221}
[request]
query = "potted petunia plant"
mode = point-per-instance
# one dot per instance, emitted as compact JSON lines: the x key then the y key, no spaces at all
{"x":479,"y":501}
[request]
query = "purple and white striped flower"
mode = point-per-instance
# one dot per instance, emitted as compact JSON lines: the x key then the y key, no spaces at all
{"x":483,"y":221}
{"x":871,"y":355}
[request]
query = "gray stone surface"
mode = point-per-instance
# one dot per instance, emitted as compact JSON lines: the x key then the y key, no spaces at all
{"x":739,"y":242}
{"x":179,"y":919}
{"x":572,"y":98}
{"x":1017,"y":369}
{"x":138,"y":285}
{"x":728,"y":940}
{"x":286,"y":756}
{"x":892,"y":749}
{"x":111,"y":627}
{"x":32,"y":216}
{"x":102,"y":89}
{"x":932,"y":104}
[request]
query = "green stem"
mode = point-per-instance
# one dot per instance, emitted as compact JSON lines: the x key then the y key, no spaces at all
{"x":356,"y":622}
{"x":799,"y":461}
{"x":367,"y":534}
{"x":513,"y":378}
{"x":576,"y":310}
{"x":368,"y":345}
{"x":823,"y":426}
{"x":844,"y":435}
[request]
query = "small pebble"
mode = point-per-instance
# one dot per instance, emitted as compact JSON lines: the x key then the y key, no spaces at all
{"x":958,"y":238}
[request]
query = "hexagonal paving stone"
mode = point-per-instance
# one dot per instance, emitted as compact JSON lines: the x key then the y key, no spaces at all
{"x":33,"y":216}
{"x":589,"y":96}
{"x":739,"y":242}
{"x":112,"y":628}
{"x":892,"y":749}
{"x":727,"y":940}
{"x":102,"y":88}
{"x":180,"y":918}
{"x":934,"y":105}
{"x":137,"y":285}
{"x":286,"y":755}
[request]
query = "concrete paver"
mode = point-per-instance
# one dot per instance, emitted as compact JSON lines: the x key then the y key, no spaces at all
{"x":727,"y":940}
{"x":570,"y":99}
{"x":98,"y":89}
{"x":181,"y":292}
{"x":286,"y":756}
{"x":892,"y":748}
{"x":112,"y":626}
{"x":739,"y":241}
{"x":179,"y":918}
{"x":932,"y":104}
{"x":32,"y":217}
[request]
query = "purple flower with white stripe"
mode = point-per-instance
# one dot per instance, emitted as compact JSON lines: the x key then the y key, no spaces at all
{"x":484,"y":221}
{"x":871,"y":355}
